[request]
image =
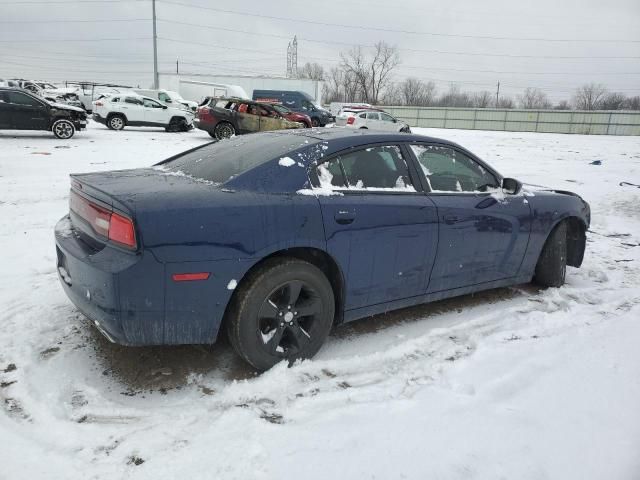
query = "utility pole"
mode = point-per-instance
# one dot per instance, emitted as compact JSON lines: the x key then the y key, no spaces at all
{"x":177,"y":66}
{"x":155,"y":47}
{"x":497,"y":95}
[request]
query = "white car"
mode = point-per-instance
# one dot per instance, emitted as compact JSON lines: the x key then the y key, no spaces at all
{"x":118,"y":111}
{"x":168,"y":97}
{"x":371,"y":119}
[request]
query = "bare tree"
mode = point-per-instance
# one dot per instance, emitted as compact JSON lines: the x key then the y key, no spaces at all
{"x":562,"y":105}
{"x":455,"y":98}
{"x":632,"y":103}
{"x":506,"y":102}
{"x":534,"y":98}
{"x":482,"y":99}
{"x":373,"y":75}
{"x":589,"y":97}
{"x":613,"y":101}
{"x":415,"y":92}
{"x":314,"y":71}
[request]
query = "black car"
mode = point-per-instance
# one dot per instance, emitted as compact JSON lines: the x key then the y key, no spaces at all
{"x":22,"y":110}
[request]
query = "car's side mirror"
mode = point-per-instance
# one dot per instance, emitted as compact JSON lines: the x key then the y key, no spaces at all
{"x":511,"y":186}
{"x":168,"y":100}
{"x":394,"y":120}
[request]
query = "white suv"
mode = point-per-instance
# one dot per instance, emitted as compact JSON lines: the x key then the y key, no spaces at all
{"x":120,"y":110}
{"x":172,"y":99}
{"x":371,"y":119}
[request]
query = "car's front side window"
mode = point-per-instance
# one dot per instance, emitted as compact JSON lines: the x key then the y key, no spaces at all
{"x":448,"y":170}
{"x":151,"y":104}
{"x":380,"y":168}
{"x":386,"y":118}
{"x":18,"y":98}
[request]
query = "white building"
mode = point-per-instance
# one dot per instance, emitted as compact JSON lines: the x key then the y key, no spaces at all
{"x":196,"y":86}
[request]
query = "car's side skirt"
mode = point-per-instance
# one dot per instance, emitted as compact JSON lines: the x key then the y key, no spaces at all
{"x":371,"y":310}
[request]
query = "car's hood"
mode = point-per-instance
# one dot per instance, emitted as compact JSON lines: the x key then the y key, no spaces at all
{"x":63,"y":106}
{"x":60,"y":91}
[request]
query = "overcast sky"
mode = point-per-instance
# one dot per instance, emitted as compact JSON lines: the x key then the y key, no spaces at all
{"x":441,"y":41}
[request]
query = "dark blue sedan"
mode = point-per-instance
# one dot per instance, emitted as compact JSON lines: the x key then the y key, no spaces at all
{"x":278,"y":236}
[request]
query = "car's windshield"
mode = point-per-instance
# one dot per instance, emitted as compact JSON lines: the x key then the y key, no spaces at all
{"x":221,"y":161}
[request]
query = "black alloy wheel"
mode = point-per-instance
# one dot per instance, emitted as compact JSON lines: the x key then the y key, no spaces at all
{"x":284,"y":311}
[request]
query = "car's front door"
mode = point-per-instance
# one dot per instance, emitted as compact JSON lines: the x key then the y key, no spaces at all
{"x":5,"y":111}
{"x":483,"y":232}
{"x":269,"y":119}
{"x":379,"y":226}
{"x":154,"y":112}
{"x":388,"y":123}
{"x":27,"y":112}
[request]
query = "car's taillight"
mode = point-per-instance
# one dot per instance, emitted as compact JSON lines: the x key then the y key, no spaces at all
{"x":111,"y":225}
{"x":350,"y":120}
{"x":121,"y":231}
{"x":97,"y":104}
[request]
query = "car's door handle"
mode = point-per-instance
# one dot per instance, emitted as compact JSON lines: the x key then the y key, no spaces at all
{"x":344,"y":216}
{"x":450,"y":219}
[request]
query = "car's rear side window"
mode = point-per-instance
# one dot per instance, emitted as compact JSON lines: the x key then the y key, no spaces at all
{"x":374,"y":168}
{"x":221,"y":161}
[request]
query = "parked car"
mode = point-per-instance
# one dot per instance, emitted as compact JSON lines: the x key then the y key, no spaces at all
{"x":277,"y":239}
{"x":168,"y":98}
{"x":123,"y":109}
{"x":336,"y":107}
{"x":225,"y":117}
{"x":371,"y":119}
{"x":346,"y":112}
{"x":300,"y":102}
{"x":23,"y":110}
{"x":293,"y":116}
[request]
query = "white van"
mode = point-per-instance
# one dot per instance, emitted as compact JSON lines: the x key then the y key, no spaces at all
{"x":168,"y":97}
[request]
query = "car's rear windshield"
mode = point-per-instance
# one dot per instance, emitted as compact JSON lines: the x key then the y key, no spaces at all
{"x":221,"y":161}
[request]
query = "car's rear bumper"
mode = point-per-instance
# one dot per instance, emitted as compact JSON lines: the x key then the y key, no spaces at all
{"x":99,"y":118}
{"x":206,"y":126}
{"x":105,"y":286}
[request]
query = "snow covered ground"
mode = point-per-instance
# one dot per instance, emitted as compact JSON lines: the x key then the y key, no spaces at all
{"x":514,"y":383}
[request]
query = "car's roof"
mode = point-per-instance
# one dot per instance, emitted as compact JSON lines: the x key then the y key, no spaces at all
{"x":346,"y":137}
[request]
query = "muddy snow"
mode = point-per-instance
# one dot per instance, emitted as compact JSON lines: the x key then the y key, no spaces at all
{"x":515,"y":383}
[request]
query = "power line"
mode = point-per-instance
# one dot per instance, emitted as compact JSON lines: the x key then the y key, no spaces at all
{"x":118,"y":20}
{"x":348,"y":44}
{"x":389,"y":30}
{"x":50,"y":40}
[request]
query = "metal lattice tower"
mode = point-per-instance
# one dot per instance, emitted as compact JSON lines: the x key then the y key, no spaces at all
{"x":292,"y":58}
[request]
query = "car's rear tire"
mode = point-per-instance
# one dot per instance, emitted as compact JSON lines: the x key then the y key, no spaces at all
{"x":364,"y":128}
{"x":224,"y":130}
{"x":551,"y":268}
{"x":283,"y":311}
{"x":63,"y":129}
{"x":116,"y":122}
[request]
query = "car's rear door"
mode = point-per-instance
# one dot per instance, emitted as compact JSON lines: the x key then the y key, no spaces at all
{"x":133,"y":109}
{"x":378,"y":224}
{"x":27,"y":112}
{"x":373,"y":120}
{"x":483,"y":232}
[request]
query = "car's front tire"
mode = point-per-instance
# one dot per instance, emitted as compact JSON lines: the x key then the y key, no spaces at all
{"x":224,"y":130}
{"x":116,"y":122}
{"x":314,"y":122}
{"x":283,"y":311}
{"x":63,"y":129}
{"x":551,"y":268}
